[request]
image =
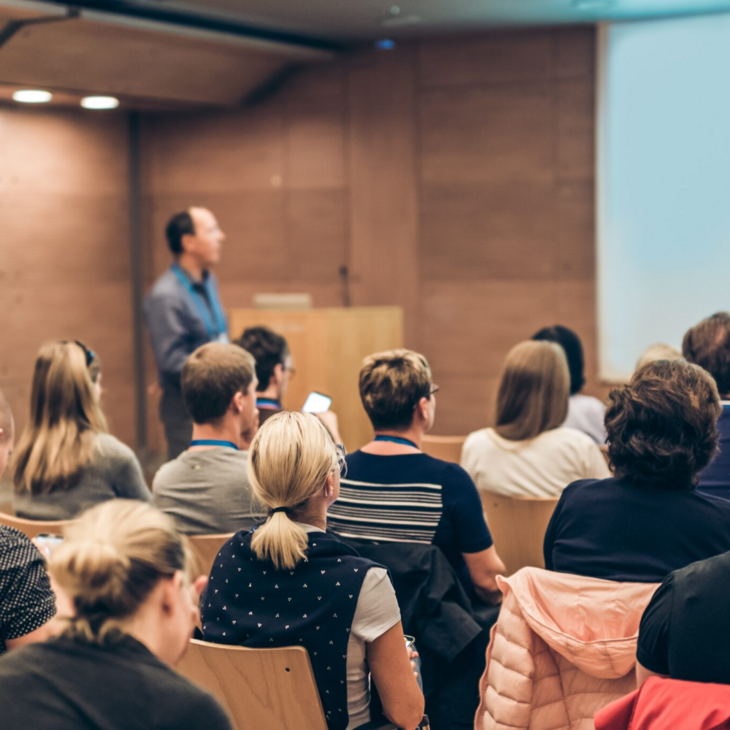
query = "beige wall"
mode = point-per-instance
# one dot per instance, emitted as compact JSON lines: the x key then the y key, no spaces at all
{"x":64,"y":249}
{"x":452,"y":177}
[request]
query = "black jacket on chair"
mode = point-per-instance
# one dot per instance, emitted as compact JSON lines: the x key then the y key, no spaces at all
{"x":436,"y":611}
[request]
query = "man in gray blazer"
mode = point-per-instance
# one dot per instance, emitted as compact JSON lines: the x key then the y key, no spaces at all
{"x":183,"y":312}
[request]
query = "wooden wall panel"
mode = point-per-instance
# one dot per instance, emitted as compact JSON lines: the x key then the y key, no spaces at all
{"x":64,"y":253}
{"x":454,"y":177}
{"x":383,"y":187}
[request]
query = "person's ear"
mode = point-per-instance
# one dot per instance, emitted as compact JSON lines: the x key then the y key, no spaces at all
{"x":239,"y":401}
{"x":187,"y":242}
{"x":329,"y":485}
{"x":422,"y":408}
{"x":278,"y":374}
{"x":170,"y":590}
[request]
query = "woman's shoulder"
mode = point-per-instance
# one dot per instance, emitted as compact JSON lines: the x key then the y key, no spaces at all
{"x":569,"y":438}
{"x":189,"y":706}
{"x":479,"y":439}
{"x":111,"y":450}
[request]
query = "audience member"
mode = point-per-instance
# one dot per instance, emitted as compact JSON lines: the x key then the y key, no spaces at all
{"x":65,"y":460}
{"x":649,"y":519}
{"x":393,"y":492}
{"x":659,"y":351}
{"x":707,"y":344}
{"x":124,"y":568}
{"x":183,"y":312}
{"x":27,"y":603}
{"x":585,"y":412}
{"x":683,"y":633}
{"x":206,"y":490}
{"x":529,"y":453}
{"x":274,"y":369}
{"x":290,"y":582}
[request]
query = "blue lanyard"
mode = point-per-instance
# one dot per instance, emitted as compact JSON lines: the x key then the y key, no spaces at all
{"x":268,"y":403}
{"x":214,"y":442}
{"x":397,"y":440}
{"x":214,"y":329}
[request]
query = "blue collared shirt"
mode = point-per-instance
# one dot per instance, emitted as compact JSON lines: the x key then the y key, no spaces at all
{"x":175,"y":325}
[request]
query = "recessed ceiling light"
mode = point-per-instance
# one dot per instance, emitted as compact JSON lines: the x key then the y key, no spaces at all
{"x":32,"y":96}
{"x":100,"y":102}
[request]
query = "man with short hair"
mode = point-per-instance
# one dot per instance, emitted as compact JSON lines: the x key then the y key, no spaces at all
{"x":184,"y":311}
{"x":393,"y":492}
{"x":274,"y":367}
{"x":707,"y":344}
{"x":27,"y":603}
{"x":206,"y":488}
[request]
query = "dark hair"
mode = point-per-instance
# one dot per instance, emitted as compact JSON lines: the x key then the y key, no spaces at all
{"x":570,"y":342}
{"x":662,"y":426}
{"x":268,"y":349}
{"x":392,"y":384}
{"x":211,"y":376}
{"x":707,"y":344}
{"x":181,"y":224}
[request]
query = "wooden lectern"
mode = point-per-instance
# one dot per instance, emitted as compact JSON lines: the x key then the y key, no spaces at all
{"x":328,"y":346}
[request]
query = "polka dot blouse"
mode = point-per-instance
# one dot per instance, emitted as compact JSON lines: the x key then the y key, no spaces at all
{"x":26,"y":599}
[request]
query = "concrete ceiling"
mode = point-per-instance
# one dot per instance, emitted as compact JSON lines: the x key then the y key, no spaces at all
{"x":352,"y":20}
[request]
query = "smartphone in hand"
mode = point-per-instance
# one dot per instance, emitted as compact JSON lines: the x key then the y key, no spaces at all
{"x":317,"y":403}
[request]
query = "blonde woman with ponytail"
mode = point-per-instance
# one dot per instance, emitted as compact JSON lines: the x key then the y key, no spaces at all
{"x":289,"y":582}
{"x":125,"y":570}
{"x":65,"y":461}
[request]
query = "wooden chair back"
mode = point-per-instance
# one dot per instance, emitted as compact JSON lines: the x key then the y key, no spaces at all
{"x":518,"y":526}
{"x":260,"y":688}
{"x":447,"y":448}
{"x":206,"y":548}
{"x":32,"y":528}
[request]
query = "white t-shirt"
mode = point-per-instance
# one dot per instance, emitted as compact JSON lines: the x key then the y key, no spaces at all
{"x":586,"y":414}
{"x":376,"y":612}
{"x":539,"y":467}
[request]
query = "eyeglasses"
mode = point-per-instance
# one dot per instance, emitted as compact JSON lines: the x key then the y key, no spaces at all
{"x":433,"y":390}
{"x":341,"y":454}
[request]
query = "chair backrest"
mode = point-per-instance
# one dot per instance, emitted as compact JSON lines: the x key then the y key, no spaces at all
{"x":32,"y":528}
{"x":260,"y":688}
{"x":206,"y":548}
{"x":447,"y":448}
{"x":518,"y":526}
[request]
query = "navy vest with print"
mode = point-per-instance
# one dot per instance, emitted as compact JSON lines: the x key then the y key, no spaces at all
{"x":250,"y":603}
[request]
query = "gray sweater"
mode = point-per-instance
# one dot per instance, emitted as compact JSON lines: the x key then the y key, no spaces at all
{"x":114,"y":472}
{"x":207,"y":492}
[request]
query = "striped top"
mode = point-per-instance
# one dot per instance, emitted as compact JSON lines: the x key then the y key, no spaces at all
{"x":410,"y":498}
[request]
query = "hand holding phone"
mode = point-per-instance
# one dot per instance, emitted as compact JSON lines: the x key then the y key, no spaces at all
{"x":317,"y":403}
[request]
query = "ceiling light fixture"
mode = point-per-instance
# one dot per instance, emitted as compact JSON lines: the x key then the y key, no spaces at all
{"x":100,"y":102}
{"x":32,"y":96}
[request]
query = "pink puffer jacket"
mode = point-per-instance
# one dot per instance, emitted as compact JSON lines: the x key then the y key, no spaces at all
{"x":564,"y":647}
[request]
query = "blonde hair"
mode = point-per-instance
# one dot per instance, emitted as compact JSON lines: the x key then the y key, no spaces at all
{"x":113,"y":557}
{"x":60,"y":437}
{"x":660,"y":351}
{"x":391,"y":385}
{"x":533,"y":390}
{"x":289,"y":461}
